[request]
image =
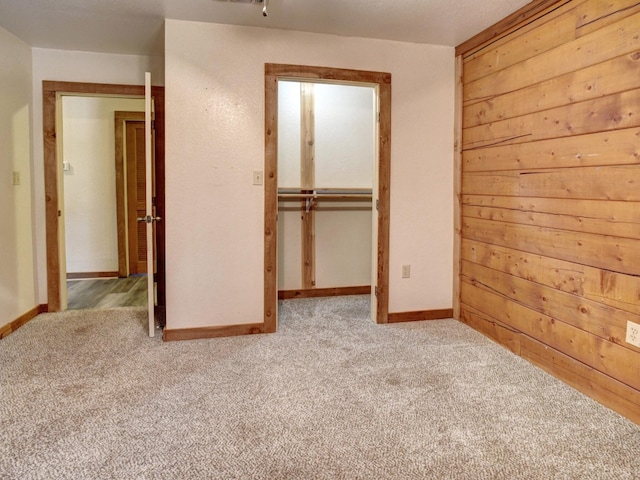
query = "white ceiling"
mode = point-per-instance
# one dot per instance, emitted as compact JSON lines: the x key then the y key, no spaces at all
{"x":135,"y":26}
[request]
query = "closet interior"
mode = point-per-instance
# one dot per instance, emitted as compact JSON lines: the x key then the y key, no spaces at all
{"x":326,"y":178}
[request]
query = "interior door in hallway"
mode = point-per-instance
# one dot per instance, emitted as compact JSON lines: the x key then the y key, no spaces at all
{"x":136,"y":196}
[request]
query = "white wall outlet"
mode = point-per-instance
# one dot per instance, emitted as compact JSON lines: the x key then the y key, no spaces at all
{"x":15,"y":178}
{"x":406,"y":271}
{"x":633,"y":334}
{"x":257,"y":177}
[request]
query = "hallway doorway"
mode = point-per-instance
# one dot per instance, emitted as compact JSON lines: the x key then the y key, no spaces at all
{"x":52,"y":91}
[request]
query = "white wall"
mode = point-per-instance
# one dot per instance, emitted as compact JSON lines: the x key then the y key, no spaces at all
{"x":62,"y":65}
{"x":215,"y":139}
{"x":344,"y":135}
{"x":17,"y":275}
{"x":88,"y":147}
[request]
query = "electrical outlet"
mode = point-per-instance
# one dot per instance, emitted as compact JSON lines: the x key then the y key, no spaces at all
{"x":406,"y":271}
{"x":633,"y":334}
{"x":257,"y":177}
{"x":15,"y":178}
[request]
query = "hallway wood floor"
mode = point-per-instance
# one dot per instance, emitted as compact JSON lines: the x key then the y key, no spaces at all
{"x":102,"y":293}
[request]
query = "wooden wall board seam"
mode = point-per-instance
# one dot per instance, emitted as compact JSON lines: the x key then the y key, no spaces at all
{"x":633,"y":5}
{"x":615,"y":183}
{"x":610,"y":112}
{"x":580,"y":53}
{"x":618,"y":255}
{"x":556,"y":220}
{"x":617,"y":147}
{"x":571,"y":10}
{"x":510,"y":25}
{"x":602,"y":286}
{"x":588,"y":315}
{"x":499,"y":55}
{"x":594,"y":81}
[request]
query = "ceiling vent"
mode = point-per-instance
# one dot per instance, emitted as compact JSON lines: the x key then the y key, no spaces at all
{"x":251,"y":2}
{"x":255,"y":2}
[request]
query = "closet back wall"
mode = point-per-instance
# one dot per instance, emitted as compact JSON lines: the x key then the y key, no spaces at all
{"x":88,"y":147}
{"x":344,"y":133}
{"x":550,"y":248}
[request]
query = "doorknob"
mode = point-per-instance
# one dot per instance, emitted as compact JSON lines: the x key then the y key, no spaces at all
{"x":149,"y":219}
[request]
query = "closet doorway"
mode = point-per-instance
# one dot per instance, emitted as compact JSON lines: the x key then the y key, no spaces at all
{"x":326,"y":185}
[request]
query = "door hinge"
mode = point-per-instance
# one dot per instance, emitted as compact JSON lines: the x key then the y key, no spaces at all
{"x":377,"y":204}
{"x":376,"y":290}
{"x":153,"y":124}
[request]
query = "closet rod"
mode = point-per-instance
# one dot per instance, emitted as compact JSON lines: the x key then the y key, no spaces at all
{"x":323,"y":190}
{"x":336,"y":196}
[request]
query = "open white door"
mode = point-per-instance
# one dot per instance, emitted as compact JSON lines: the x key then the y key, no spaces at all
{"x":149,"y":217}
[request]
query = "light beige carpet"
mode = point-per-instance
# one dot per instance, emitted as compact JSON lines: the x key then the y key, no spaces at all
{"x":87,"y":395}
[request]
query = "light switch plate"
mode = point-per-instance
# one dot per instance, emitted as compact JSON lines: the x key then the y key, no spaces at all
{"x":258,"y":177}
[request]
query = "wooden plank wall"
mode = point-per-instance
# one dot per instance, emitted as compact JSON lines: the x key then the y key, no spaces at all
{"x":550,"y":194}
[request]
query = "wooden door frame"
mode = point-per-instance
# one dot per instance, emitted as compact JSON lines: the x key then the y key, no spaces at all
{"x":50,"y":91}
{"x":274,"y":72}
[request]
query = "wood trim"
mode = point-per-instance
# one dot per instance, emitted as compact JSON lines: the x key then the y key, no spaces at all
{"x":397,"y":317}
{"x":307,"y":182}
{"x":51,"y":195}
{"x":76,"y":275}
{"x":324,"y":292}
{"x":159,"y":172}
{"x":457,"y":187}
{"x":271,"y":200}
{"x":384,"y":198}
{"x":170,"y":335}
{"x":528,"y":13}
{"x":50,"y":89}
{"x":383,"y":82}
{"x":120,"y":119}
{"x":326,"y":73}
{"x":11,"y":327}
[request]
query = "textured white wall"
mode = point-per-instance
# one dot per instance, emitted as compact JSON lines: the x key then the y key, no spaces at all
{"x":17,"y":275}
{"x":215,"y":139}
{"x":88,"y":146}
{"x":63,"y":65}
